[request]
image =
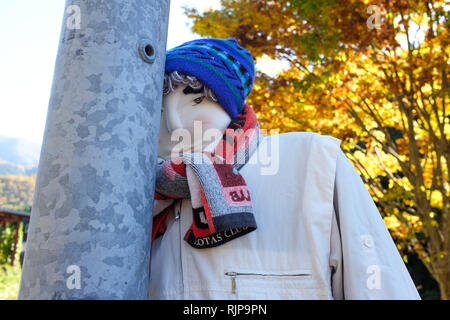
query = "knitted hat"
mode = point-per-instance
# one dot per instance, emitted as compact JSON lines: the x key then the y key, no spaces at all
{"x":220,"y":64}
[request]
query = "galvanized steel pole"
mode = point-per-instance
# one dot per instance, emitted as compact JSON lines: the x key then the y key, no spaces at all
{"x":90,"y":229}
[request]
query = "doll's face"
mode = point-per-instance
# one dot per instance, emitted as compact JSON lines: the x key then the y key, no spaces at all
{"x":185,"y":119}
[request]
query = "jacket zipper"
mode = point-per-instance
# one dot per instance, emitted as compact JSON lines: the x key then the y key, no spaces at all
{"x":233,"y":280}
{"x":233,"y":275}
{"x":177,"y":218}
{"x":177,"y":211}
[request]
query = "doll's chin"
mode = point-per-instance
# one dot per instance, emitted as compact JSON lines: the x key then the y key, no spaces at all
{"x":165,"y":151}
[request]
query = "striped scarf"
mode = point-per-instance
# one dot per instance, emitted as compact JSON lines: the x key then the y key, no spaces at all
{"x":221,"y":203}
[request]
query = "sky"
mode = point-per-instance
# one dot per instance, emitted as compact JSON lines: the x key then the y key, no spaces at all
{"x":29,"y":34}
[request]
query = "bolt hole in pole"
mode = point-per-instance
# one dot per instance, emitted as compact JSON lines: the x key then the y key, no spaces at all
{"x":146,"y":51}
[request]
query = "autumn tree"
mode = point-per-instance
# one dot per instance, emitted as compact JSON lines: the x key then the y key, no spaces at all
{"x":374,"y":74}
{"x":16,"y":191}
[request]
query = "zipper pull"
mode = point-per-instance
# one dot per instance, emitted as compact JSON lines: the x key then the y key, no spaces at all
{"x":177,"y":211}
{"x":233,"y":280}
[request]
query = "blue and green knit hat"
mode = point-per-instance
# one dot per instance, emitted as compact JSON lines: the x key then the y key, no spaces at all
{"x":220,"y":64}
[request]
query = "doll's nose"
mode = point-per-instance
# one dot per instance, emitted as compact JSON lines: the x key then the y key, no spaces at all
{"x":171,"y":115}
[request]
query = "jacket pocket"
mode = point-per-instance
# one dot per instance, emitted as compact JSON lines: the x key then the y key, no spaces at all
{"x":266,"y":276}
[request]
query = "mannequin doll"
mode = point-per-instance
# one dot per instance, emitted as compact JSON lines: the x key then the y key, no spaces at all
{"x":224,"y":230}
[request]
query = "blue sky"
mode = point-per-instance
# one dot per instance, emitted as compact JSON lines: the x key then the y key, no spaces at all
{"x":29,"y":33}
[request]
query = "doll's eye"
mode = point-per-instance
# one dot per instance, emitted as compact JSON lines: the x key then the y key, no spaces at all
{"x":198,"y":100}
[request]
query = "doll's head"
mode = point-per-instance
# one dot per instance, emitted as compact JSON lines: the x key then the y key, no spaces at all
{"x":188,"y":103}
{"x":205,"y":85}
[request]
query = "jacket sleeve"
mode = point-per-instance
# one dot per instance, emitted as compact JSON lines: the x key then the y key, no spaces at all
{"x":365,"y":260}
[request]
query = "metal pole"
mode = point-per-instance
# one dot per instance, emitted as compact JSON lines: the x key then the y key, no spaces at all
{"x":90,"y":227}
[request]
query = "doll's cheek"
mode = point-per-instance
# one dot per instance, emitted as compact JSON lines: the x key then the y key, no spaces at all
{"x":210,"y":118}
{"x":204,"y":120}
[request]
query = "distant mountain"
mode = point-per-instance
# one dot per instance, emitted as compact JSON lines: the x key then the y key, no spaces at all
{"x":16,"y":169}
{"x":18,"y":156}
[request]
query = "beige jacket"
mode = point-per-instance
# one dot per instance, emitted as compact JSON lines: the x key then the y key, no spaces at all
{"x":319,"y":235}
